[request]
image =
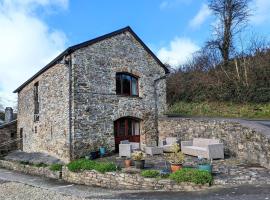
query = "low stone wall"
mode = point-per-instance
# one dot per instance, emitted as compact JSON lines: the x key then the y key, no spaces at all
{"x":243,"y":139}
{"x":117,"y":180}
{"x":113,"y":180}
{"x":29,"y":169}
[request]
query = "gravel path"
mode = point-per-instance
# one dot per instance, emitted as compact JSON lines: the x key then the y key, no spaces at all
{"x":19,"y":191}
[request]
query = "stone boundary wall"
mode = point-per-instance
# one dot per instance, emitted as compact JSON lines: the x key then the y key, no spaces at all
{"x":112,"y":180}
{"x":243,"y":139}
{"x":118,"y":180}
{"x":29,"y":169}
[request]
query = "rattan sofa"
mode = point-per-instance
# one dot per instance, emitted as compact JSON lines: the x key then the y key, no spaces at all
{"x":205,"y":148}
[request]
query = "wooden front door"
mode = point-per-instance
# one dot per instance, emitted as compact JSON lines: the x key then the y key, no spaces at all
{"x":126,"y":128}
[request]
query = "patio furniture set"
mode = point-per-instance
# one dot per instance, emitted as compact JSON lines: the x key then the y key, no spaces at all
{"x":200,"y":147}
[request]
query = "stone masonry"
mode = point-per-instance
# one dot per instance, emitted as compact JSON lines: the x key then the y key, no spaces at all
{"x":243,"y":139}
{"x":51,"y":133}
{"x":77,"y":98}
{"x":96,"y":105}
{"x":7,"y":134}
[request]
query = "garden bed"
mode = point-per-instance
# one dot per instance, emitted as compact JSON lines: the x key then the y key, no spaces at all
{"x":120,"y":180}
{"x":40,"y":170}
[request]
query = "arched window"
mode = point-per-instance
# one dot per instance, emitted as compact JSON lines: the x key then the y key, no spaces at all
{"x":126,"y":84}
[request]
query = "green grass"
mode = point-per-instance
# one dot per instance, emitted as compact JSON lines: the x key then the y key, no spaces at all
{"x":40,"y":165}
{"x":150,"y":173}
{"x":56,"y":167}
{"x":192,"y":175}
{"x":221,"y":109}
{"x":84,"y":164}
{"x":35,"y":165}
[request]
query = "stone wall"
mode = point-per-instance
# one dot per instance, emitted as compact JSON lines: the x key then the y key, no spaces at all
{"x":118,"y":180}
{"x":113,"y":180}
{"x":96,"y":105}
{"x":8,"y":133}
{"x":29,"y":169}
{"x":51,"y":133}
{"x":244,"y":139}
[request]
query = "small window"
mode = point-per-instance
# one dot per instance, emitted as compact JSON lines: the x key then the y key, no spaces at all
{"x":12,"y":135}
{"x":36,"y":102}
{"x":126,"y":84}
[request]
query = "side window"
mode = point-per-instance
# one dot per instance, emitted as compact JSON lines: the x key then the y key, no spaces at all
{"x":36,"y":102}
{"x":126,"y":84}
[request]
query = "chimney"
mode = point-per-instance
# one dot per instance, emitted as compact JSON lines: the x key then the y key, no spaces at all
{"x":8,"y":114}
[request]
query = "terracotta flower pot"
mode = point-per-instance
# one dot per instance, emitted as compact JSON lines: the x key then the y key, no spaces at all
{"x":175,"y":167}
{"x":127,"y":163}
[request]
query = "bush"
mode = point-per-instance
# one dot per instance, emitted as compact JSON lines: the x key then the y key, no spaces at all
{"x":192,"y":175}
{"x":56,"y":167}
{"x":84,"y":164}
{"x":40,"y":165}
{"x":150,"y":173}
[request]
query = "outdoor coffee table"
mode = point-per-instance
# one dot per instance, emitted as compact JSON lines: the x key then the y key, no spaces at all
{"x":153,"y":150}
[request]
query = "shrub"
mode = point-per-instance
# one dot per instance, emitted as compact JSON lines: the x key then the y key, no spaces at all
{"x":40,"y":165}
{"x":150,"y":173}
{"x":192,"y":175}
{"x":56,"y":167}
{"x":84,"y":164}
{"x":138,"y":155}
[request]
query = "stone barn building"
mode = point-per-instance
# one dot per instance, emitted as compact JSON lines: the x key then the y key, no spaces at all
{"x":8,"y":133}
{"x":95,"y":93}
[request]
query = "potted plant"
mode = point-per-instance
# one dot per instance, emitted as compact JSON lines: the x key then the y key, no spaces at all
{"x":176,"y":158}
{"x":102,"y":148}
{"x":94,"y":153}
{"x":204,"y":164}
{"x":138,"y":157}
{"x":127,"y":162}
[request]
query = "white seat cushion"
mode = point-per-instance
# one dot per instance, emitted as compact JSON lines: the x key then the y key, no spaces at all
{"x":196,"y":148}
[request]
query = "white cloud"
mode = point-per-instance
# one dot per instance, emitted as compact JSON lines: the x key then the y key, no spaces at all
{"x":261,"y":11}
{"x":27,"y":43}
{"x":178,"y":52}
{"x":200,"y":17}
{"x":167,"y":4}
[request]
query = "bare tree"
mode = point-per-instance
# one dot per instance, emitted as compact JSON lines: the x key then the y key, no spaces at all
{"x":232,"y":16}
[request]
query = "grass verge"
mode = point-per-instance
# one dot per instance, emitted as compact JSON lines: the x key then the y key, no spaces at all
{"x":221,"y":109}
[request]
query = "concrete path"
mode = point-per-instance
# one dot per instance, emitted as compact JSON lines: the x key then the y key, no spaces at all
{"x":245,"y":192}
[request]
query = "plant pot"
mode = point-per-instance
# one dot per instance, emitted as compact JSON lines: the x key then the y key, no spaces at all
{"x":205,"y":167}
{"x":139,"y":164}
{"x":127,"y":163}
{"x":102,"y":151}
{"x":93,"y":155}
{"x":175,"y":167}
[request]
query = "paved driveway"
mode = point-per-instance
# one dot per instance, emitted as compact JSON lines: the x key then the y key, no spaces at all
{"x":262,"y":122}
{"x":52,"y":187}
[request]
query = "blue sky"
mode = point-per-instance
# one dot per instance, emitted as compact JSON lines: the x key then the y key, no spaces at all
{"x":33,"y":32}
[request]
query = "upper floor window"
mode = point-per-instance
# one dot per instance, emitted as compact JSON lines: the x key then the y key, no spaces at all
{"x":36,"y":103}
{"x":126,"y":84}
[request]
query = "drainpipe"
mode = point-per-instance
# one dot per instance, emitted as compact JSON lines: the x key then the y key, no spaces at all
{"x":156,"y":106}
{"x":68,"y":63}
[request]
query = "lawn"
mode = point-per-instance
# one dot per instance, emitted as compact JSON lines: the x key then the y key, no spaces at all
{"x":221,"y":109}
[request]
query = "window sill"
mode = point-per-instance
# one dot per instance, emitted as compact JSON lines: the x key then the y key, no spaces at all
{"x":134,"y":97}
